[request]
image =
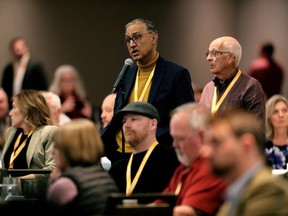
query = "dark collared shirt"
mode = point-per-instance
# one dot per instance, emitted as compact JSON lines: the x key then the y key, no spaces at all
{"x":222,"y":85}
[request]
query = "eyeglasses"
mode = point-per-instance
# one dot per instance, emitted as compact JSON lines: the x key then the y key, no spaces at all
{"x":136,"y":38}
{"x":215,"y":53}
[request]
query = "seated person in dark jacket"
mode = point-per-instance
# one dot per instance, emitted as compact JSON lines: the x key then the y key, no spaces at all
{"x":151,"y":165}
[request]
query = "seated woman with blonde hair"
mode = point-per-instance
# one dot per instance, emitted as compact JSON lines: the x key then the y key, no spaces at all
{"x":79,"y":183}
{"x":29,"y":142}
{"x":276,"y":146}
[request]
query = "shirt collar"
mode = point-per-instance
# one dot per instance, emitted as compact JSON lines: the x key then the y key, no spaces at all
{"x":235,"y":190}
{"x":223,"y":83}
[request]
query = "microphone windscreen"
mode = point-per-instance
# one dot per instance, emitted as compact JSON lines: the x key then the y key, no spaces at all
{"x":128,"y":61}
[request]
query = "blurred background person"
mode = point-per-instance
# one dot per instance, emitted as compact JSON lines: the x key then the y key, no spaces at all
{"x":198,"y":191}
{"x":236,"y":152}
{"x":23,"y":72}
{"x":79,"y":183}
{"x":276,"y":146}
{"x":267,"y":70}
{"x":107,"y":108}
{"x":5,"y":120}
{"x":29,"y":142}
{"x":54,"y":102}
{"x":68,"y":85}
{"x":107,"y":112}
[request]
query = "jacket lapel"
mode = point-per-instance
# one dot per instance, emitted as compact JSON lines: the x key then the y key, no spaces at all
{"x":32,"y":146}
{"x":159,"y":73}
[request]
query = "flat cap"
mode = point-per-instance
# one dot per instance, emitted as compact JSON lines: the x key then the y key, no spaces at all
{"x":141,"y":108}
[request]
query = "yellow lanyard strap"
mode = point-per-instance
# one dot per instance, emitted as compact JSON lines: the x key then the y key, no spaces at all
{"x":215,"y":106}
{"x":145,"y":87}
{"x":16,"y":150}
{"x":130,"y":187}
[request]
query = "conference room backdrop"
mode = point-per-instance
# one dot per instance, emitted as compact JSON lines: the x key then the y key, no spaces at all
{"x":88,"y":33}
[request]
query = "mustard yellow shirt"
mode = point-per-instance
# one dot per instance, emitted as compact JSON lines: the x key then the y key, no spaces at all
{"x":144,"y":72}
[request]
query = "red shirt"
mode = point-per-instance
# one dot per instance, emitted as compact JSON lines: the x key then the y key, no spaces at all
{"x":200,"y":188}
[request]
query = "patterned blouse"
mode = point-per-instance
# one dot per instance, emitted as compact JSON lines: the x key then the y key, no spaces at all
{"x":277,"y":155}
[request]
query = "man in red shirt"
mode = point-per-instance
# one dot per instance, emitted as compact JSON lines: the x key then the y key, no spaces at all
{"x":198,"y":191}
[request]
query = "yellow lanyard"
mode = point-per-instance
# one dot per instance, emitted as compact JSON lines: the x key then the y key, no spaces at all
{"x":130,"y":187}
{"x":178,"y":188}
{"x":215,"y":106}
{"x":145,"y":87}
{"x":16,"y":150}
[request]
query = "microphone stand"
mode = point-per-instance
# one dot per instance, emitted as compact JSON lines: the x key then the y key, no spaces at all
{"x":122,"y":89}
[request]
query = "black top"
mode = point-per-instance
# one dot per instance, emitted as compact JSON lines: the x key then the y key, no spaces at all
{"x":34,"y":78}
{"x":156,"y":174}
{"x":20,"y":161}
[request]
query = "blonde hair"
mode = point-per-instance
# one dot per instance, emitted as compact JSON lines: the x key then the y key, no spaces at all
{"x":270,"y":104}
{"x":80,"y":143}
{"x":53,"y":98}
{"x":34,"y":108}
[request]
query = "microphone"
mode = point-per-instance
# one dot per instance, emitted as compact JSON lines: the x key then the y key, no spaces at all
{"x":122,"y":75}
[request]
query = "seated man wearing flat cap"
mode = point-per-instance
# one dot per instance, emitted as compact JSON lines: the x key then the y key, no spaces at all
{"x":151,"y":165}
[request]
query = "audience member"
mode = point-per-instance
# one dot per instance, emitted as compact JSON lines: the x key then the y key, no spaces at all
{"x":231,"y":88}
{"x":79,"y":183}
{"x":198,"y":191}
{"x":276,"y":146}
{"x":23,"y":72}
{"x":107,"y":112}
{"x":29,"y":142}
{"x":107,"y":109}
{"x":54,"y":103}
{"x":153,"y":79}
{"x":5,"y":120}
{"x":152,"y":163}
{"x":68,"y":85}
{"x":267,"y":70}
{"x":236,"y":152}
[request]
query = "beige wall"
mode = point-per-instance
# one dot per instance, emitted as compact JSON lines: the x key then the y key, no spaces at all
{"x":88,"y":33}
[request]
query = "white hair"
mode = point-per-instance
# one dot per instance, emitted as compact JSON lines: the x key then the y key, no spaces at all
{"x":53,"y":98}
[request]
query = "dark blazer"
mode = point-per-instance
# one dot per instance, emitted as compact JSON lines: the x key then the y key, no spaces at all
{"x":34,"y":78}
{"x":171,"y":87}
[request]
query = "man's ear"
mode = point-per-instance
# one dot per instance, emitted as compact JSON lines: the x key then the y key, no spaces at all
{"x":154,"y":123}
{"x":155,"y":38}
{"x":231,"y":58}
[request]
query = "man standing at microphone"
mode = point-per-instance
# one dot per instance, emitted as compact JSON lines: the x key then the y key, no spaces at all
{"x":152,"y":79}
